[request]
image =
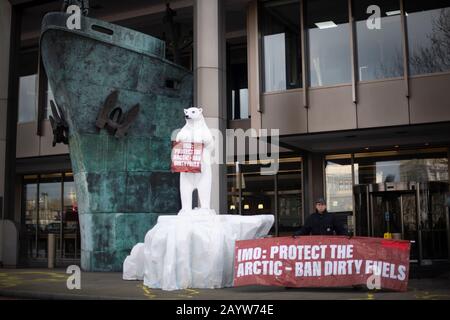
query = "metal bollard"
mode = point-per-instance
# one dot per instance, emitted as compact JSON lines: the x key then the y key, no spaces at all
{"x":51,"y":250}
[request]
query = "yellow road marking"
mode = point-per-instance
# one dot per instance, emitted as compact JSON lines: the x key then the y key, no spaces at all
{"x":13,"y":279}
{"x":186,"y":293}
{"x":147,"y":292}
{"x":427,"y":296}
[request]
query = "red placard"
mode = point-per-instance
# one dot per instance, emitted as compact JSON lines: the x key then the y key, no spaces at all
{"x":322,"y":261}
{"x":186,"y":157}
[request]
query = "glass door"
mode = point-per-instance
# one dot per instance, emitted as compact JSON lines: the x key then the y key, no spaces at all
{"x":30,"y":208}
{"x":362,"y":214}
{"x":386,"y":214}
{"x":49,"y":213}
{"x":434,"y":220}
{"x":280,"y":194}
{"x":50,"y":207}
{"x":71,"y":231}
{"x":396,"y":213}
{"x":410,"y":226}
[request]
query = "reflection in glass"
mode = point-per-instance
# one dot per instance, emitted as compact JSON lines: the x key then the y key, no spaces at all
{"x":243,"y":98}
{"x":338,"y":176}
{"x":380,"y":167}
{"x":71,"y":241}
{"x":329,"y":42}
{"x":237,"y":84}
{"x":274,"y":62}
{"x":242,"y":101}
{"x":49,"y":213}
{"x":428,"y":24}
{"x":407,"y":170}
{"x":258,"y":192}
{"x":410,"y":221}
{"x":379,"y":50}
{"x":31,"y":217}
{"x":233,"y":104}
{"x":290,"y":200}
{"x":44,"y":215}
{"x":434,"y":226}
{"x":27,"y":99}
{"x":280,"y":26}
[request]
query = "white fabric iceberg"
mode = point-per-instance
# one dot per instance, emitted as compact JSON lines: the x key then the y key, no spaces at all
{"x":192,"y":250}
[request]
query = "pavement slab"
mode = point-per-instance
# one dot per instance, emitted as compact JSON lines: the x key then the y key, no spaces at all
{"x":52,"y":284}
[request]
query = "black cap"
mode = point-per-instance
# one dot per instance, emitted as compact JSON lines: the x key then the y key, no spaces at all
{"x":321,"y":200}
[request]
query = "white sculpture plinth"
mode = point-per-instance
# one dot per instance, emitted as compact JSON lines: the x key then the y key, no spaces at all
{"x":192,"y":250}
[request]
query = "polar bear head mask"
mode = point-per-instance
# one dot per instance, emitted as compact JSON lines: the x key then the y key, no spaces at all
{"x":193,"y":114}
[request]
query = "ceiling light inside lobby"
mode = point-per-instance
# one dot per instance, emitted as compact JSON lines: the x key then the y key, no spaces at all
{"x":393,"y":13}
{"x":326,"y":25}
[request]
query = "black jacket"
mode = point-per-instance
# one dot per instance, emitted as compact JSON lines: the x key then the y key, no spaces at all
{"x":321,"y":224}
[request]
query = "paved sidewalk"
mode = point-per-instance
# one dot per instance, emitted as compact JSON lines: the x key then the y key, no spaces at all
{"x":51,"y":284}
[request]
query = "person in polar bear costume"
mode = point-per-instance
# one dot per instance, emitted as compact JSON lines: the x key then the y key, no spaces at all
{"x":196,"y":130}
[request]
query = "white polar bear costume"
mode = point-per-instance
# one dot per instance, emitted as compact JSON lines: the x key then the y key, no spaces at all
{"x":195,"y":130}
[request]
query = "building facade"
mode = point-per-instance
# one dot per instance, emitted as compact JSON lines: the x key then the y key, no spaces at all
{"x":359,"y":91}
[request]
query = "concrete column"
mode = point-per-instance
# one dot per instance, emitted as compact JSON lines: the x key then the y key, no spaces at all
{"x":316,"y":188}
{"x":254,"y":81}
{"x":209,"y":82}
{"x":5,"y":30}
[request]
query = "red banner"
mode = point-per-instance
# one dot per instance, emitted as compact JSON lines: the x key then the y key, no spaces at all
{"x":186,"y":157}
{"x":323,"y":261}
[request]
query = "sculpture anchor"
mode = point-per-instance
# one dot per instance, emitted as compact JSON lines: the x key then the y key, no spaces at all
{"x":112,"y":117}
{"x":59,"y":125}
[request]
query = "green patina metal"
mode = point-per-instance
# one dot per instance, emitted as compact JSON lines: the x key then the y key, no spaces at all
{"x":123,"y":184}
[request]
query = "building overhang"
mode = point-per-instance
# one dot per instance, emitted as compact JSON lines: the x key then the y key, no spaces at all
{"x":371,"y":139}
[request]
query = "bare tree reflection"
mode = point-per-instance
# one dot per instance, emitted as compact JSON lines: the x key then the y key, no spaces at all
{"x":392,"y":68}
{"x":434,"y":57}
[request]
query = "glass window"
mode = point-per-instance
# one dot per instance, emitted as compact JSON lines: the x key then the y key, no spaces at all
{"x":329,"y":42}
{"x":280,"y":28}
{"x":239,"y":102}
{"x":434,"y":231}
{"x":49,"y":212}
{"x":414,"y":169}
{"x":338,"y":179}
{"x":237,"y":81}
{"x":290,"y":200}
{"x":258,"y":192}
{"x":428,"y":24}
{"x":27,"y":99}
{"x":243,"y":99}
{"x":31,"y":217}
{"x":380,"y":53}
{"x":44,"y":215}
{"x":71,"y":243}
{"x":422,"y":165}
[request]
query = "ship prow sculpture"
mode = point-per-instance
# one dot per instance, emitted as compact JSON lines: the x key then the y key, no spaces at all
{"x":117,"y":101}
